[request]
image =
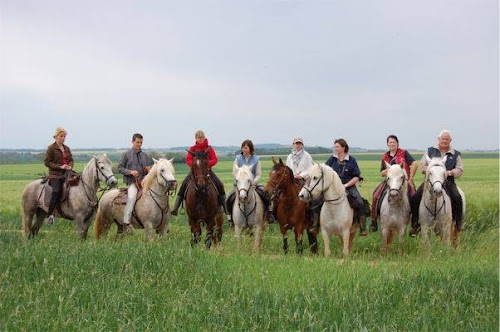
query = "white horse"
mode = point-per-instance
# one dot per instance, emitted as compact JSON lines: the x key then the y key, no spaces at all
{"x":80,"y":204}
{"x":435,"y":207}
{"x":248,"y":208}
{"x":336,"y":216}
{"x":395,"y":208}
{"x":151,"y":211}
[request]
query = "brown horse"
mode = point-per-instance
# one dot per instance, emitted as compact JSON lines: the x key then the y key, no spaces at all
{"x":202,"y":204}
{"x":290,"y":210}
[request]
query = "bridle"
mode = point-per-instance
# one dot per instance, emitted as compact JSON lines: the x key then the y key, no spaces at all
{"x":431,"y":192}
{"x":322,"y":180}
{"x":100,"y":189}
{"x":277,"y":186}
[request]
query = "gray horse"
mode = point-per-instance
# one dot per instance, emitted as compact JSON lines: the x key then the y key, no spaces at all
{"x":80,"y":203}
{"x":395,"y":208}
{"x":151,"y":211}
{"x":248,"y":210}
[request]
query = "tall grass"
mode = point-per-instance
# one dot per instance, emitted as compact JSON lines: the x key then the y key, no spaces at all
{"x":56,"y":282}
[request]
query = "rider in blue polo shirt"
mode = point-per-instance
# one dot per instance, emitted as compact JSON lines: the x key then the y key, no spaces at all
{"x":348,"y":171}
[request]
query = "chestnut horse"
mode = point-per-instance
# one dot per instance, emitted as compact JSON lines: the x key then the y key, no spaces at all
{"x":290,"y":210}
{"x":202,"y":204}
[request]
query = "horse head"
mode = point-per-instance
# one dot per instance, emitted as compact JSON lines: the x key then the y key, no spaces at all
{"x":279,"y":176}
{"x":243,"y":179}
{"x":199,"y":169}
{"x":436,"y":175}
{"x":165,"y":173}
{"x":312,"y":189}
{"x":104,"y":171}
{"x":395,"y":179}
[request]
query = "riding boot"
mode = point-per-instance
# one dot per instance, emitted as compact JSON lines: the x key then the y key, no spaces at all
{"x":314,"y":229}
{"x":222,"y":202}
{"x":374,"y":225}
{"x":270,"y":217}
{"x":362,"y":225}
{"x":178,"y":202}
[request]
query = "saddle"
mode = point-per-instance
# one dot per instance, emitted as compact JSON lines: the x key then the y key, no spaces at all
{"x":71,"y":179}
{"x":353,"y":204}
{"x":122,"y":197}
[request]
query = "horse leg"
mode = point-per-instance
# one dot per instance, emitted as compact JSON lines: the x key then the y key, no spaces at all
{"x":299,"y":249}
{"x":219,"y":221}
{"x":425,"y":236}
{"x":390,"y":239}
{"x":345,"y":243}
{"x":27,"y":218}
{"x":210,"y":226}
{"x":195,"y":232}
{"x":401,"y":237}
{"x":351,"y":239}
{"x":384,"y":243}
{"x":237,"y":233}
{"x":326,"y":241}
{"x":313,"y":242}
{"x":285,"y":244}
{"x":40,"y":216}
{"x":83,"y":227}
{"x":447,"y":233}
{"x":259,"y":232}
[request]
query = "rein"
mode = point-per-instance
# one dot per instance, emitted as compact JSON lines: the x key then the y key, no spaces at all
{"x":102,"y":190}
{"x":244,"y":205}
{"x":334,"y":201}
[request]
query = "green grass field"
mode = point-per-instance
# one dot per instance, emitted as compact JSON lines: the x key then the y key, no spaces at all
{"x":56,"y":282}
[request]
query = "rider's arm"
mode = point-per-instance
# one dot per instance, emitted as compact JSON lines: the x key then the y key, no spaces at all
{"x":258,"y":172}
{"x":423,"y":163}
{"x":122,"y":164}
{"x":458,"y":170}
{"x":212,"y":158}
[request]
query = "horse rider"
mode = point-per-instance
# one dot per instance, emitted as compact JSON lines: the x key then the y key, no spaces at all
{"x":395,"y":155}
{"x":300,"y":161}
{"x":454,"y":169}
{"x":247,"y":157}
{"x":201,"y":144}
{"x":134,"y":165}
{"x":348,"y":170}
{"x":59,"y":160}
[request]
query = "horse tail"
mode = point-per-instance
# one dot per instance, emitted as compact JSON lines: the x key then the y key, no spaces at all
{"x":102,"y":224}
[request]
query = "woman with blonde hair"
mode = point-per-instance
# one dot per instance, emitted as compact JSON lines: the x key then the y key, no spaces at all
{"x":59,"y":160}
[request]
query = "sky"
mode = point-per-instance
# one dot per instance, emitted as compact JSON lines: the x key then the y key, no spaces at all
{"x":261,"y":70}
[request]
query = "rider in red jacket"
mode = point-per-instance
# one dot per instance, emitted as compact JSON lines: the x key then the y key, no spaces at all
{"x":201,"y":144}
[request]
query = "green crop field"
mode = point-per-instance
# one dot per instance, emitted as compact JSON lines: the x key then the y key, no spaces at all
{"x":56,"y":282}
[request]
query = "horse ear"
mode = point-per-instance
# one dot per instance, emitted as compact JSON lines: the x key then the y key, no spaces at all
{"x":171,"y":160}
{"x":274,"y":160}
{"x":281,"y":161}
{"x":402,"y":165}
{"x":155,"y":160}
{"x":444,"y":159}
{"x":387,"y":165}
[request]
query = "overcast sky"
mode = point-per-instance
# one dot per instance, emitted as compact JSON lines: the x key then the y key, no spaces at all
{"x":263,"y":70}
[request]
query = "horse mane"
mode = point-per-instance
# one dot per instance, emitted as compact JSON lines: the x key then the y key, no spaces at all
{"x":147,"y":182}
{"x":331,"y":175}
{"x":277,"y":167}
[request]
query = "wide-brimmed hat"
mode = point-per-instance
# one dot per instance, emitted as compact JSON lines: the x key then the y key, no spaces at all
{"x":298,"y":140}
